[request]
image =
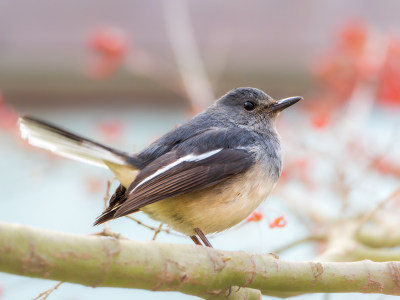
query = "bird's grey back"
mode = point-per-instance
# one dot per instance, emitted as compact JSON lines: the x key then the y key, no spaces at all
{"x":218,"y":127}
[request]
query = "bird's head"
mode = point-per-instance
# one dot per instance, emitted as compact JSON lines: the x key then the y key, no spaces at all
{"x":252,"y":108}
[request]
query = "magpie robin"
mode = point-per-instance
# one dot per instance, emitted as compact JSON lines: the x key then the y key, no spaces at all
{"x":202,"y":177}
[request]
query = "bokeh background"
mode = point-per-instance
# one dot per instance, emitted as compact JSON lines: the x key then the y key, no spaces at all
{"x":125,"y":72}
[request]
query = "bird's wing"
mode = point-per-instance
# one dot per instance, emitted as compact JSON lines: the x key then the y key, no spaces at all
{"x":175,"y":173}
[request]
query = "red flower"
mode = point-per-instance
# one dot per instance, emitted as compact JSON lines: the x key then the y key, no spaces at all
{"x":255,"y":217}
{"x":112,"y":129}
{"x":284,"y":175}
{"x":279,"y":222}
{"x":111,"y":46}
{"x":350,"y":61}
{"x":345,"y":63}
{"x":93,"y":185}
{"x":388,"y":85}
{"x":353,"y":37}
{"x":8,"y":116}
{"x":386,"y":167}
{"x":109,"y":42}
{"x":320,"y":121}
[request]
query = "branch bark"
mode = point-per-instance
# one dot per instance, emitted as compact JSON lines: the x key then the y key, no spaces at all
{"x":208,"y":273}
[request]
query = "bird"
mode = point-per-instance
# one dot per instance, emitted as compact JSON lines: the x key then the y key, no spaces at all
{"x":201,"y":177}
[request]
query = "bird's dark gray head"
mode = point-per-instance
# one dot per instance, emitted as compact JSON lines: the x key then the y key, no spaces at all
{"x":251,"y":107}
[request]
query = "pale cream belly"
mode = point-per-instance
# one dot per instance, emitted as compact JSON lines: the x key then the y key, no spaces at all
{"x":214,"y":209}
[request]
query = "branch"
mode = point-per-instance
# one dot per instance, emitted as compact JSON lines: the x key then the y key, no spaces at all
{"x":103,"y":261}
{"x":376,"y":254}
{"x":376,"y":236}
{"x":380,"y":205}
{"x":311,"y":238}
{"x":188,"y":58}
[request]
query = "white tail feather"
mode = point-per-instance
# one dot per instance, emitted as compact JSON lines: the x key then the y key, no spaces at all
{"x":61,"y":142}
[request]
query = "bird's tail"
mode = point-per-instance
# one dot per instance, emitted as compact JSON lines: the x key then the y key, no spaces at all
{"x":44,"y":135}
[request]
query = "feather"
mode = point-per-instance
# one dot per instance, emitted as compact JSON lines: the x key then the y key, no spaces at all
{"x":184,"y":175}
{"x":70,"y":145}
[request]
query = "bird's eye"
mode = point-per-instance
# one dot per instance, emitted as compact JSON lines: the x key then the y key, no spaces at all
{"x":249,"y":105}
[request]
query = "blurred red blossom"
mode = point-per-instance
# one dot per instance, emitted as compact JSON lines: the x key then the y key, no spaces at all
{"x":352,"y":37}
{"x":387,"y":167}
{"x":320,"y":120}
{"x":284,"y":176}
{"x":358,"y":56}
{"x":255,"y":217}
{"x":279,"y":222}
{"x":111,"y":46}
{"x":340,"y":67}
{"x":94,"y":185}
{"x":298,"y":169}
{"x":8,"y":116}
{"x":112,"y":129}
{"x":389,"y":80}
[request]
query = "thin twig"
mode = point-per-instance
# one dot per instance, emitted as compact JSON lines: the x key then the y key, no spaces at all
{"x":373,"y":159}
{"x":45,"y":294}
{"x":160,"y":75}
{"x":153,"y":228}
{"x":317,"y":237}
{"x":343,"y":190}
{"x":106,"y":197}
{"x":141,"y":223}
{"x":379,"y":206}
{"x":157,"y":231}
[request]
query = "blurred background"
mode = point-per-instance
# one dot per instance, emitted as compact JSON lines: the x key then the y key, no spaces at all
{"x":125,"y":72}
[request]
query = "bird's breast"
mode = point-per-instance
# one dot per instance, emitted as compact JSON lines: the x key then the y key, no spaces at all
{"x":216,"y":208}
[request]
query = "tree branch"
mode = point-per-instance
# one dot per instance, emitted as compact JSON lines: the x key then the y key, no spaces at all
{"x":103,"y":261}
{"x":377,"y":236}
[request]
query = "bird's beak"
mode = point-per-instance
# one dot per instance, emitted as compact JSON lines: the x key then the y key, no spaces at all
{"x":284,"y":103}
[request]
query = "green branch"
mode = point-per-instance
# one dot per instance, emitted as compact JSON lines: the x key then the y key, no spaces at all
{"x":375,"y":236}
{"x":103,"y":261}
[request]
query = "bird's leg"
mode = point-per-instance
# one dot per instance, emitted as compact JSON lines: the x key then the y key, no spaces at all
{"x":196,"y":240}
{"x":203,"y":237}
